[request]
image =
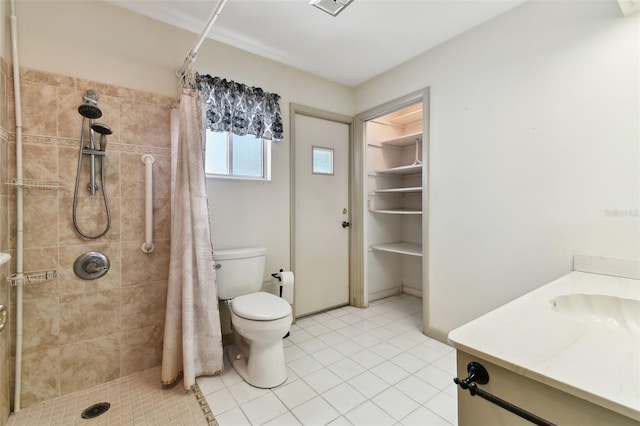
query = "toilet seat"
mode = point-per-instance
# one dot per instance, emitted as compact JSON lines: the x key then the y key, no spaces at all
{"x":260,"y":306}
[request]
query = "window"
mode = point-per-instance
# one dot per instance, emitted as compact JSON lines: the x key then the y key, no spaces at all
{"x":241,"y":157}
{"x":321,"y":161}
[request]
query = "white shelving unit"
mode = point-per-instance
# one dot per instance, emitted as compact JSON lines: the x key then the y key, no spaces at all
{"x":395,"y":201}
{"x":409,"y":249}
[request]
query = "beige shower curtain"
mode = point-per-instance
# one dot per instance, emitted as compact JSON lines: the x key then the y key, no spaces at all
{"x":192,"y":337}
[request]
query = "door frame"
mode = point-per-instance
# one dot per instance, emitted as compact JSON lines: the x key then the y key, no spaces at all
{"x":329,"y":116}
{"x":360,"y":287}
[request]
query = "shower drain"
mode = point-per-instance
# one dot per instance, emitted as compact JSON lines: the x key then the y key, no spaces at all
{"x":95,"y":410}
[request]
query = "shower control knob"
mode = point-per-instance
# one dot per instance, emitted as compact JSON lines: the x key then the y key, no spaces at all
{"x":91,"y":265}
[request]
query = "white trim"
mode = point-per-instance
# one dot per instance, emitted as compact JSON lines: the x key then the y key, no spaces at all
{"x":614,"y":266}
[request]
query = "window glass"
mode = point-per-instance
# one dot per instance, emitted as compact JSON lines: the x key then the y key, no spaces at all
{"x":216,"y":153}
{"x":242,"y":157}
{"x":247,"y":156}
{"x":322,"y":160}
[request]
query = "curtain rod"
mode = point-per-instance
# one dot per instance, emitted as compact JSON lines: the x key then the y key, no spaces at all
{"x":193,"y":53}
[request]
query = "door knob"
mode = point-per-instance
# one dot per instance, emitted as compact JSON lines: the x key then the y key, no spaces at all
{"x":345,"y":224}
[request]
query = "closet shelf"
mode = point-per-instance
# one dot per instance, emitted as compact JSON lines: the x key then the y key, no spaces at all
{"x":402,"y":170}
{"x":410,"y":249}
{"x":399,"y":190}
{"x":405,"y":140}
{"x":33,"y":183}
{"x":397,"y":211}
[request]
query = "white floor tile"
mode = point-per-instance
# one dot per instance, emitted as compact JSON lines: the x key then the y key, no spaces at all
{"x":318,"y":329}
{"x":304,"y":366}
{"x":348,"y":347}
{"x":367,"y":358}
{"x":299,"y":335}
{"x":322,"y":380}
{"x":424,"y":417}
{"x":369,"y":414}
{"x":386,"y":350}
{"x":346,"y":369}
{"x":344,"y":397}
{"x":210,"y":384}
{"x":445,"y":406}
{"x":366,"y":340}
{"x":293,"y":352}
{"x":315,"y":412}
{"x":233,"y":417}
{"x":368,"y":384}
{"x":447,"y":363}
{"x":286,"y":419}
{"x":408,"y":362}
{"x":425,"y":352}
{"x":435,"y":377}
{"x":395,"y":403}
{"x":263,"y":409}
{"x":389,"y":372}
{"x":327,"y":356}
{"x":332,"y":337}
{"x":340,"y":421}
{"x":312,"y":345}
{"x":417,"y":389}
{"x":221,"y":401}
{"x":295,"y":393}
{"x":243,"y":392}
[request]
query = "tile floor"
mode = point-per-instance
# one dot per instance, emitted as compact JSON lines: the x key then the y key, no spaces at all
{"x":349,"y":366}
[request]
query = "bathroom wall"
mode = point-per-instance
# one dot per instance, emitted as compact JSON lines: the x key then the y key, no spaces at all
{"x":534,"y":152}
{"x":143,"y":54}
{"x":125,"y":63}
{"x":80,"y":333}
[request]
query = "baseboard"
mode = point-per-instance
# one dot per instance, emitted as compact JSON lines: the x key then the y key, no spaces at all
{"x":384,"y":293}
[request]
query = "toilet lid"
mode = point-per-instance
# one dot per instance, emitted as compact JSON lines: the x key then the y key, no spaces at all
{"x":260,"y":306}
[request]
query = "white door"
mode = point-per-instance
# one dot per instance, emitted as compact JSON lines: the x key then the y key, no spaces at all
{"x":321,"y":192}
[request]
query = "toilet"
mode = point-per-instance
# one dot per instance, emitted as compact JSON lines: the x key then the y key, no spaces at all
{"x":260,"y":320}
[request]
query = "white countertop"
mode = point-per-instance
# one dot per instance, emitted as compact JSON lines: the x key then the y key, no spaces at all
{"x":591,"y":362}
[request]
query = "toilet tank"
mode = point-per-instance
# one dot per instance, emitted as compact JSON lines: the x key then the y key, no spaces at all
{"x":241,"y":271}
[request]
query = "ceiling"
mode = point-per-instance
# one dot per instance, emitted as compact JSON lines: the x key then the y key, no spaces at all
{"x":368,"y":38}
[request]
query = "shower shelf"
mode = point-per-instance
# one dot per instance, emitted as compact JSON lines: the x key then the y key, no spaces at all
{"x":34,"y":184}
{"x":32,"y":277}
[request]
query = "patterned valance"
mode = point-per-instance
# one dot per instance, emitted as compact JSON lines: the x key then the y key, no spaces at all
{"x":240,"y":109}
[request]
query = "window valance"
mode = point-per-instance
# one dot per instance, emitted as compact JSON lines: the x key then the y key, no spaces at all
{"x":240,"y":109}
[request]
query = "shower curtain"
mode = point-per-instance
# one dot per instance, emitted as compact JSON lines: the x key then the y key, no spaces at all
{"x":192,"y":336}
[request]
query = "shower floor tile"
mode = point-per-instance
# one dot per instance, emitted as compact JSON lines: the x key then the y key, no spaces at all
{"x":138,"y":399}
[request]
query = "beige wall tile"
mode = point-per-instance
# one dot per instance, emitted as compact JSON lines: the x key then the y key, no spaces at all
{"x":141,"y":349}
{"x":41,"y":324}
{"x":141,"y":268}
{"x":40,"y":376}
{"x":41,"y":259}
{"x":40,"y":221}
{"x":87,"y":316}
{"x":143,"y":305}
{"x":89,"y":363}
{"x":145,"y":124}
{"x":39,"y":103}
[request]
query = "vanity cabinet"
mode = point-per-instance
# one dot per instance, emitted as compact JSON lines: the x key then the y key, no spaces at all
{"x":549,"y":403}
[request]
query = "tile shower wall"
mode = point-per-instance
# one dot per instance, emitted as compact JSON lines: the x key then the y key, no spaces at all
{"x":4,"y":240}
{"x":78,"y":333}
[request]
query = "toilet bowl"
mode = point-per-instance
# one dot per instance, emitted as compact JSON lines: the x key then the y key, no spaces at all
{"x":259,"y":320}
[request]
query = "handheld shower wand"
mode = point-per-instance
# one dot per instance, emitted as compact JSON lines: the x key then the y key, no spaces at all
{"x":90,"y":111}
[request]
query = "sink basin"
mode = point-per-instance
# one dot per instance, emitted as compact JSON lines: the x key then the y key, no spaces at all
{"x":612,"y":312}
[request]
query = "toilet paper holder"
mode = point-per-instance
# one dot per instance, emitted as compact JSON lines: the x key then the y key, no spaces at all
{"x":277,"y":276}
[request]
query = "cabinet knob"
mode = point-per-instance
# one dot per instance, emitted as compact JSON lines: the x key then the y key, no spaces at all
{"x":345,"y":224}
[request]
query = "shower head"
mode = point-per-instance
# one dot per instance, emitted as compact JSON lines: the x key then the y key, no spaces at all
{"x":89,"y":108}
{"x":89,"y":111}
{"x":103,"y":129}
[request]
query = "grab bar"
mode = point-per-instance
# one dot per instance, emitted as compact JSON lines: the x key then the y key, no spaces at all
{"x":479,"y":374}
{"x":148,"y":246}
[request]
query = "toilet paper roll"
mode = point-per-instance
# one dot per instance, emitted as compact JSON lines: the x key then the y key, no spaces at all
{"x":286,"y":282}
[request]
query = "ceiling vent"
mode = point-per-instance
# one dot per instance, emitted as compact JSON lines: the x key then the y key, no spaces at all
{"x":332,"y":7}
